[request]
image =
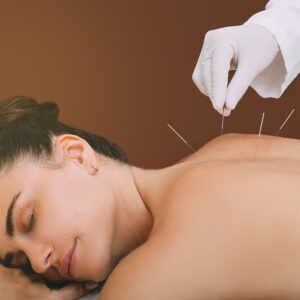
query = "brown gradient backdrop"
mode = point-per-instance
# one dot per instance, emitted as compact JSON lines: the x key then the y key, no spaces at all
{"x":123,"y":69}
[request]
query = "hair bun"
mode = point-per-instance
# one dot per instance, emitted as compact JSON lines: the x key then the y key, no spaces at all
{"x":17,"y":107}
{"x":49,"y":109}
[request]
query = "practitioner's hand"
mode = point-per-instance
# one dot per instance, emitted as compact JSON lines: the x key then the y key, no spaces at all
{"x":14,"y":285}
{"x":249,"y":49}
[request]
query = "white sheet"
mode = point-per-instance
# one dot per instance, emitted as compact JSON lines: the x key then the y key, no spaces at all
{"x":91,"y":296}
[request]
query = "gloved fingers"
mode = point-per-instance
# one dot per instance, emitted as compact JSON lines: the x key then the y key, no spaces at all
{"x":199,"y":76}
{"x":227,"y":112}
{"x":220,"y":66}
{"x":238,"y":85}
{"x":203,"y":82}
{"x":205,"y":77}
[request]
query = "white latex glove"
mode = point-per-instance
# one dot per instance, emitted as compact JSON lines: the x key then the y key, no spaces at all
{"x":249,"y":49}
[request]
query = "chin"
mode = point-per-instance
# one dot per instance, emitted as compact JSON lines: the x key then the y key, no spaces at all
{"x":103,"y":274}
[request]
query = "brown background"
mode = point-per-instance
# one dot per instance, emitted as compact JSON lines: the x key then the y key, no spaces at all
{"x":123,"y":69}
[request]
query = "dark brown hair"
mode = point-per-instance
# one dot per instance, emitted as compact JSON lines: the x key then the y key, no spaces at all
{"x":26,"y":129}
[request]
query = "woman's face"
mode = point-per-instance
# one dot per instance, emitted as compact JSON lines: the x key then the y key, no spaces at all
{"x":47,"y":213}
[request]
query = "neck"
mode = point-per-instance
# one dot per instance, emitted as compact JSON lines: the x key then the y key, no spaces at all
{"x":139,"y":193}
{"x":133,"y":217}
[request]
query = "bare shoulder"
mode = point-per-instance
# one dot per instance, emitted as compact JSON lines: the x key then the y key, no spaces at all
{"x":210,"y":231}
{"x":172,"y":264}
{"x":233,"y":145}
{"x":153,"y":272}
{"x":138,"y":276}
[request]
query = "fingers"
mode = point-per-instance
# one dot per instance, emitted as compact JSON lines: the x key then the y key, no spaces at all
{"x":225,"y":48}
{"x":71,"y":291}
{"x":201,"y":72}
{"x":238,"y":85}
{"x":211,"y":74}
{"x":220,"y":66}
{"x":227,"y":112}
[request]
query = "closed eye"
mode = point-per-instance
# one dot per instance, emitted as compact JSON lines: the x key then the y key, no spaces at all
{"x":30,"y":223}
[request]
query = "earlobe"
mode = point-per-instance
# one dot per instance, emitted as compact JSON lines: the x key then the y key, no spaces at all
{"x":93,"y":170}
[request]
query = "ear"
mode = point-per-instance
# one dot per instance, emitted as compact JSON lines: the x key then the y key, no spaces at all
{"x":71,"y":147}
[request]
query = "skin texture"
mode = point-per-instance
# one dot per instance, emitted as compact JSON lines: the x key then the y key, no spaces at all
{"x":226,"y":228}
{"x":71,"y":202}
{"x":221,"y":224}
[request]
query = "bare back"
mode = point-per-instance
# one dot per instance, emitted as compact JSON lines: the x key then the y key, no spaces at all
{"x":228,"y":228}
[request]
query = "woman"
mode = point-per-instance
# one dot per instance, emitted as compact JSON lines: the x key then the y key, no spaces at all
{"x":221,"y":224}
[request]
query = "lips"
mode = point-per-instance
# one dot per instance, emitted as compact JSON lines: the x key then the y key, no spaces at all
{"x":68,"y":263}
{"x":72,"y":264}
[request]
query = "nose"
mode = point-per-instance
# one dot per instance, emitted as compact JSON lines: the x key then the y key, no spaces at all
{"x":40,"y":256}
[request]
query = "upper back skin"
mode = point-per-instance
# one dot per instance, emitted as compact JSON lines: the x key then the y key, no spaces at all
{"x":228,"y":228}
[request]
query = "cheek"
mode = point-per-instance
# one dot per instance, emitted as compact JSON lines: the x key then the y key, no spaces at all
{"x":95,"y":257}
{"x":95,"y":253}
{"x":64,"y":212}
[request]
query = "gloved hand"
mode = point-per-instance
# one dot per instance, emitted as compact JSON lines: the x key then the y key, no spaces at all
{"x":249,"y":49}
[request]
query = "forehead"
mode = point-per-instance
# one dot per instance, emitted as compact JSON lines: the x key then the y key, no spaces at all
{"x":15,"y":176}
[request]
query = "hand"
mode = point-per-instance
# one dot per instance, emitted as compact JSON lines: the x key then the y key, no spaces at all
{"x":14,"y":285}
{"x":249,"y":49}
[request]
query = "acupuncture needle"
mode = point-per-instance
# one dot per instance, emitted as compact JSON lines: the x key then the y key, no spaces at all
{"x":261,"y":123}
{"x":222,"y":124}
{"x":181,"y":137}
{"x":285,"y":121}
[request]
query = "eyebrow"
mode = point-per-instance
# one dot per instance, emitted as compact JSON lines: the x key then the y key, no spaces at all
{"x":10,"y":230}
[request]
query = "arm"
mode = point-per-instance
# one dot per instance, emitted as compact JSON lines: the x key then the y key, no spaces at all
{"x":282,"y":19}
{"x":14,"y":284}
{"x":264,"y":53}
